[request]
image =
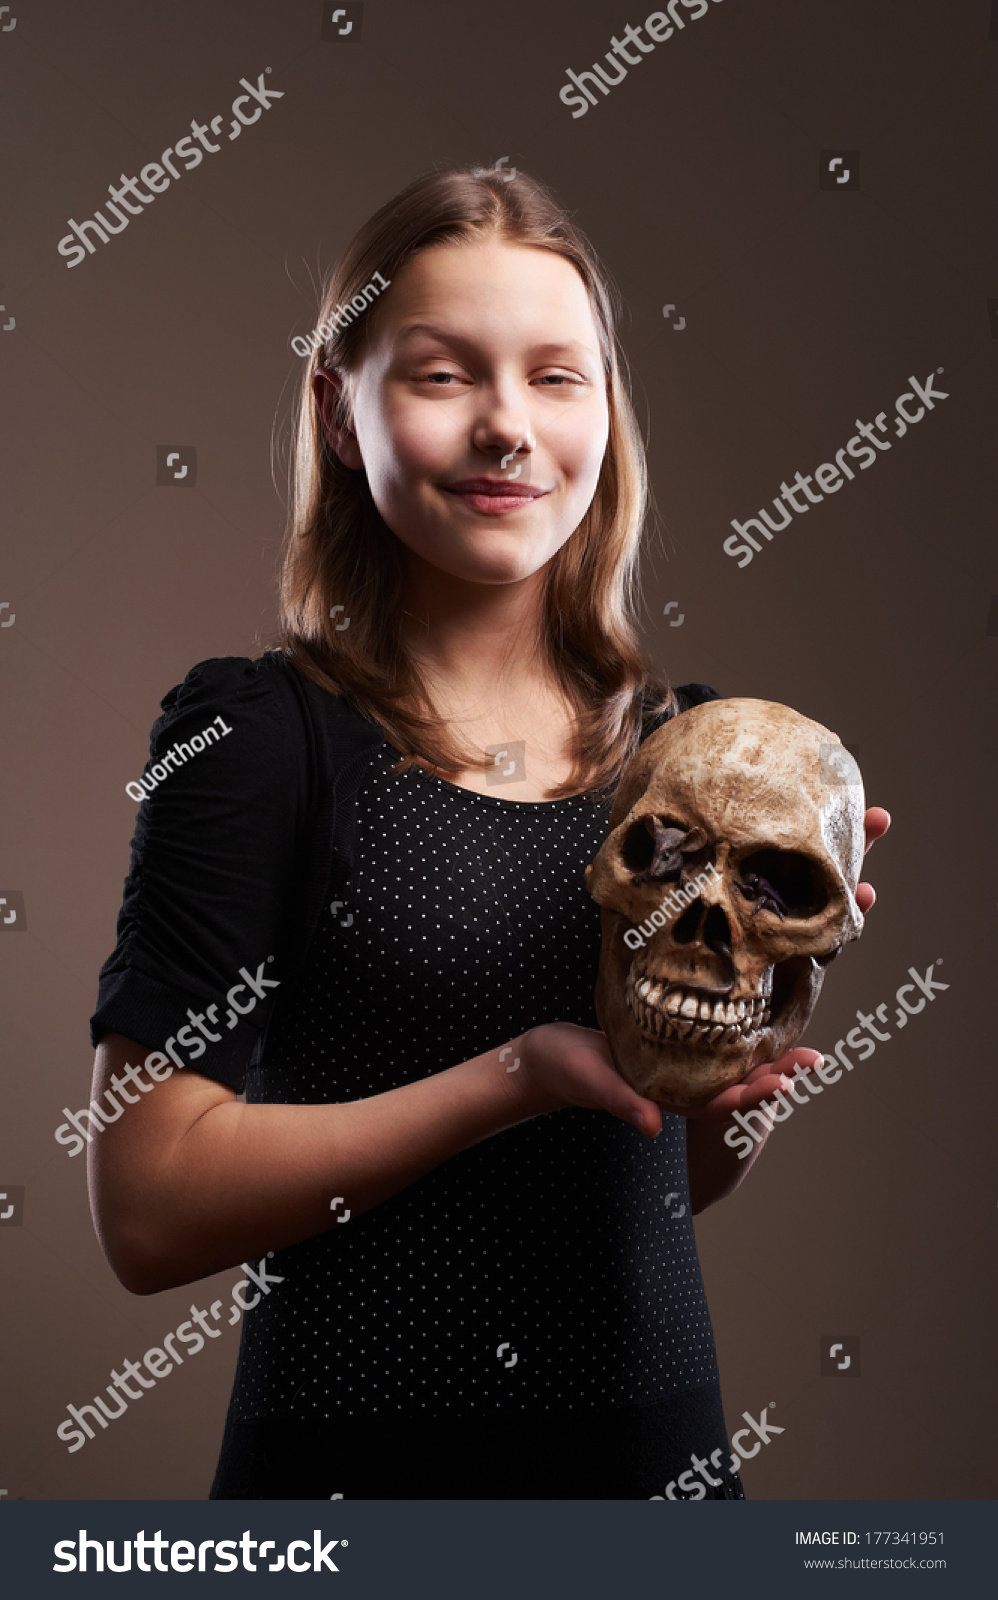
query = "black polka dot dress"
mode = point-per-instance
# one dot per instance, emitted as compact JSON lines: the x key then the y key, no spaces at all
{"x":534,"y":1305}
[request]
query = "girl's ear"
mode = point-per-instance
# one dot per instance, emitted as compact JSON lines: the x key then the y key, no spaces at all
{"x":327,"y":390}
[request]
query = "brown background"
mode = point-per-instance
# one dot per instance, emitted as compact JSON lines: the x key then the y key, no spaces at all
{"x":872,"y":1211}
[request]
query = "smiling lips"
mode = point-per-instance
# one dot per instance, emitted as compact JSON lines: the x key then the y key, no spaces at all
{"x":493,"y":495}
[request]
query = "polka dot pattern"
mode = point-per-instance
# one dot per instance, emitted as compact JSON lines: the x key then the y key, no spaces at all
{"x":471,"y":923}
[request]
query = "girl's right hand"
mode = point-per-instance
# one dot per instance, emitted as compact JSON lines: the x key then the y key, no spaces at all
{"x":562,"y":1064}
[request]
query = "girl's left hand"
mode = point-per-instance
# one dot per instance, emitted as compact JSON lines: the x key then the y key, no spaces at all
{"x":763,"y":1081}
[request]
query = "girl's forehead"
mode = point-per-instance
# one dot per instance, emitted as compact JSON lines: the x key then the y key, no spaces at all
{"x":446,"y":284}
{"x":490,"y":256}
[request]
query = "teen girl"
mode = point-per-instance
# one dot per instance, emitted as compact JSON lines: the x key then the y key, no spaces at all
{"x":477,"y":1279}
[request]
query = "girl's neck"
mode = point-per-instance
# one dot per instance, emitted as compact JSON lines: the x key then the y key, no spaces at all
{"x":481,"y":655}
{"x":478,"y":643}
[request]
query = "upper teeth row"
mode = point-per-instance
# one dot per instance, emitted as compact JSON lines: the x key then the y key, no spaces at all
{"x":682,"y":1003}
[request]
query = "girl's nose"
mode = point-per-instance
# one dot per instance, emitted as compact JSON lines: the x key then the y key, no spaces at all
{"x":503,"y":424}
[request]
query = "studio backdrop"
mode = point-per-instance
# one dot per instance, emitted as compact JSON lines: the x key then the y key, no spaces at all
{"x":793,"y":199}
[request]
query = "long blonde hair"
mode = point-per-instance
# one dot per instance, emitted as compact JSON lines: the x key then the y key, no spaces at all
{"x":338,"y":552}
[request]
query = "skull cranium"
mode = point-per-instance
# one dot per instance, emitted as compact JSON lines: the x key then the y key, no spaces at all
{"x":727,"y":885}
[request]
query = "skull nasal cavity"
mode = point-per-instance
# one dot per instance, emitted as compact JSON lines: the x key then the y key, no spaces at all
{"x":708,"y":927}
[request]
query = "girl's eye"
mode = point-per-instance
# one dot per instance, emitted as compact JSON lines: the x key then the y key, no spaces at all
{"x":549,"y":380}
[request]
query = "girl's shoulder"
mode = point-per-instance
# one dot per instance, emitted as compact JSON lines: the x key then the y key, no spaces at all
{"x":232,"y":679}
{"x":276,"y":705}
{"x":253,"y":683}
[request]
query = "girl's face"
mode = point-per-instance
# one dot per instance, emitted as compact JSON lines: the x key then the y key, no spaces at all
{"x":482,"y":358}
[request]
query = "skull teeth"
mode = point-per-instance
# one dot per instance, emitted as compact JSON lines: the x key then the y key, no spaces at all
{"x":667,"y":1012}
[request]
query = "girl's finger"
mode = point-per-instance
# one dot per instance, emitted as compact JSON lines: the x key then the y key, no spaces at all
{"x":801,"y":1056}
{"x":866,"y":897}
{"x":759,"y":1084}
{"x":876,"y":822}
{"x":646,"y":1117}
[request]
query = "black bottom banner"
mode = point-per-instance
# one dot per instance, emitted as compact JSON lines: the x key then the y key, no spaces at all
{"x":546,"y":1549}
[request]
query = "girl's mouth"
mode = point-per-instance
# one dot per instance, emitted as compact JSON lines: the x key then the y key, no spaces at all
{"x":493,"y":496}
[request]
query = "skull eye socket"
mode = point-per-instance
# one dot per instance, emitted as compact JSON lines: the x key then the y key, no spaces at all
{"x":784,"y":882}
{"x":638,"y":849}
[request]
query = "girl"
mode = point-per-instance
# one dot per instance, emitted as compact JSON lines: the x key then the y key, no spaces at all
{"x":472,"y":1241}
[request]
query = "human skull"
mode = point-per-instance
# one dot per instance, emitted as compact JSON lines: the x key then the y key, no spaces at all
{"x":727,"y":885}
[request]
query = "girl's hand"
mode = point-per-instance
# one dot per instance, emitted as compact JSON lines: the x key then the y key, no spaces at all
{"x":763,"y":1081}
{"x":562,"y":1064}
{"x":877,"y":823}
{"x":758,"y":1085}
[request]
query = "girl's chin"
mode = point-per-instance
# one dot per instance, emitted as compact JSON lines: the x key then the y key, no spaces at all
{"x":492,"y":573}
{"x":489,"y":558}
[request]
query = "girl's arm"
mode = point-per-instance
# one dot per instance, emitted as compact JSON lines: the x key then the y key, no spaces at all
{"x":189,"y":1180}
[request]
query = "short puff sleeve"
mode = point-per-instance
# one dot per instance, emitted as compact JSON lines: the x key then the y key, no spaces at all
{"x":195,"y":970}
